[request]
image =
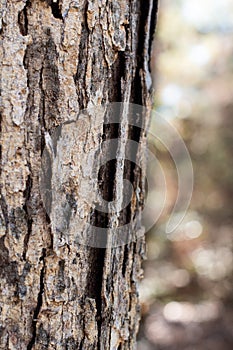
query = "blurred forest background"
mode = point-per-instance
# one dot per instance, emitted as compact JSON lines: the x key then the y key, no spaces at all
{"x":187,"y":291}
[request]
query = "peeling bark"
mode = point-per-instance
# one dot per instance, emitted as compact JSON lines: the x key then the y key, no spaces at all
{"x":57,"y":59}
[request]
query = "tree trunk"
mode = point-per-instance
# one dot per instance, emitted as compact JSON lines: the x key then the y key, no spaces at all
{"x":59,"y":59}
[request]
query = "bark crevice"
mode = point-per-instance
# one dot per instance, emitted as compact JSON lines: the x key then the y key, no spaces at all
{"x":153,"y":22}
{"x":79,"y":77}
{"x":39,"y":302}
{"x":23,"y":19}
{"x":26,"y":208}
{"x":4,"y":209}
{"x":56,"y":10}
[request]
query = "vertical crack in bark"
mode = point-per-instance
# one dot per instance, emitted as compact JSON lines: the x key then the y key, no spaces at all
{"x":55,"y":7}
{"x":140,"y":91}
{"x":153,"y":22}
{"x":146,"y":28}
{"x":25,"y":64}
{"x":99,"y":219}
{"x":23,"y":19}
{"x":118,"y":74}
{"x":125,"y":259}
{"x":46,"y":180}
{"x":39,"y":302}
{"x":107,"y":183}
{"x":41,"y":116}
{"x":23,"y":24}
{"x":26,"y":207}
{"x":3,"y":203}
{"x":4,"y":209}
{"x":141,"y":85}
{"x":94,"y":283}
{"x":79,"y":78}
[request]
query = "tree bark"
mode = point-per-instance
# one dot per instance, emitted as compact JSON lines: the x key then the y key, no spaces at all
{"x":59,"y":58}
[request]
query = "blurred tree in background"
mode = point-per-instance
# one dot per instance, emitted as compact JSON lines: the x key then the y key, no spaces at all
{"x":187,"y":293}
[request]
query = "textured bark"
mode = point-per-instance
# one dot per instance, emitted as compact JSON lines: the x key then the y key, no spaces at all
{"x":57,"y":59}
